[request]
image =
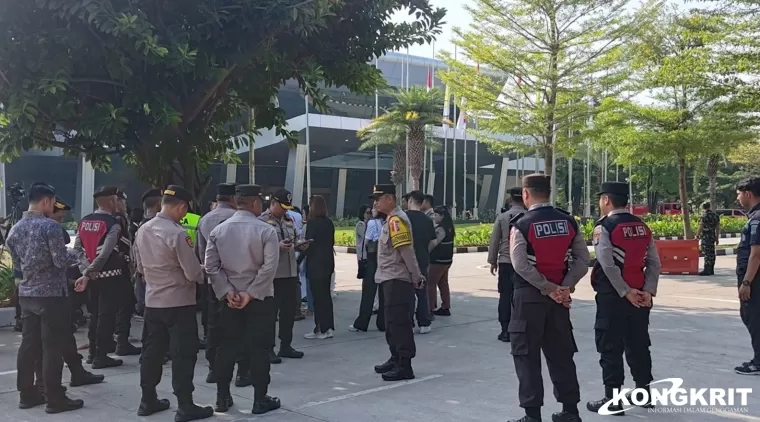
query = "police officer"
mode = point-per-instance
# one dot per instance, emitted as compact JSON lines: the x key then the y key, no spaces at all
{"x":165,"y":255}
{"x":241,"y":261}
{"x":498,"y":257}
{"x":286,"y":288}
{"x":99,"y":237}
{"x":708,"y":233}
{"x":225,"y":197}
{"x":748,"y":195}
{"x":399,"y":275}
{"x":625,"y":278}
{"x":541,"y":242}
{"x":126,"y":292}
{"x":151,"y":200}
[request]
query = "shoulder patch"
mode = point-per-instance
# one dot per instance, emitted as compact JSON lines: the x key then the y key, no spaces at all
{"x":597,"y":235}
{"x":189,"y":241}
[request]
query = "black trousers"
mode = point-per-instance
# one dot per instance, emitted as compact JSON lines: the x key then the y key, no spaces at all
{"x":286,"y":295}
{"x":248,"y":331}
{"x":369,"y":291}
{"x":323,"y":305}
{"x":103,"y":304}
{"x":174,"y":330}
{"x":214,"y":333}
{"x":538,"y":323}
{"x":46,"y":335}
{"x":126,"y":308}
{"x":750,"y":313}
{"x":71,"y":358}
{"x":506,"y":292}
{"x":621,"y":328}
{"x":203,"y":300}
{"x":399,"y":300}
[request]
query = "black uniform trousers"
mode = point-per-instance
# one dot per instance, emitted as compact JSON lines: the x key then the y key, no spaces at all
{"x":71,"y":357}
{"x":286,"y":297}
{"x":46,"y":335}
{"x":621,"y":328}
{"x":506,"y":291}
{"x":399,"y":301}
{"x":539,"y":323}
{"x":174,"y":330}
{"x":750,"y":314}
{"x":214,"y":333}
{"x":369,"y":290}
{"x":126,"y":300}
{"x":248,"y":331}
{"x":103,"y":305}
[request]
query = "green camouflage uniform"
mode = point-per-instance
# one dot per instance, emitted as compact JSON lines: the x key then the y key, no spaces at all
{"x":710,"y":221}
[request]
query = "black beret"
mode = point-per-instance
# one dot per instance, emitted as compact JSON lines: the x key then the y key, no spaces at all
{"x":380,"y":190}
{"x":515,"y":192}
{"x":151,"y":193}
{"x":614,"y":188}
{"x":106,"y":191}
{"x":225,"y":189}
{"x":537,"y":181}
{"x":178,"y":192}
{"x":248,"y":190}
{"x":60,"y":205}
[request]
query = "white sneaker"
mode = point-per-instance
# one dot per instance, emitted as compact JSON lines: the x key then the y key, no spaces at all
{"x":318,"y":336}
{"x":329,"y":333}
{"x":352,"y":328}
{"x":425,"y":330}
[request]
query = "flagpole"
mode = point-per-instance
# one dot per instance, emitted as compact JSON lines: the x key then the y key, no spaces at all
{"x":464,"y":165}
{"x":570,"y":175}
{"x":630,"y":187}
{"x":377,"y":114}
{"x":408,"y":166}
{"x":475,"y":185}
{"x":308,"y":149}
{"x":454,"y":156}
{"x":553,"y":174}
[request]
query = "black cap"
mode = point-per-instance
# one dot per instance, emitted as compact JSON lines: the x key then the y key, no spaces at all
{"x":515,"y":193}
{"x":415,"y":195}
{"x":178,"y":192}
{"x":248,"y":190}
{"x":614,"y":188}
{"x":60,"y":205}
{"x":151,"y":193}
{"x":226,"y":189}
{"x":106,"y":191}
{"x":380,"y":190}
{"x":284,"y":198}
{"x":537,"y":181}
{"x":121,"y":194}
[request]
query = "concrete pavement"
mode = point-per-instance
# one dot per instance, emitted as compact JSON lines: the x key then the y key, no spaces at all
{"x":463,"y":372}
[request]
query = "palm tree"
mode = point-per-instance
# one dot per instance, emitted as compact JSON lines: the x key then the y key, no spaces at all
{"x":409,"y":116}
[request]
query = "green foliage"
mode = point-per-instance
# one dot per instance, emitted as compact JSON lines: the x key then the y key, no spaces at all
{"x":7,"y":280}
{"x":169,"y":84}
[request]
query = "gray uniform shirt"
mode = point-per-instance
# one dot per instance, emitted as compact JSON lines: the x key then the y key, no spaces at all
{"x":286,"y":229}
{"x":208,"y":223}
{"x":603,"y":250}
{"x":395,"y":253}
{"x":578,"y":267}
{"x":109,"y":245}
{"x":242,"y":256}
{"x":166,"y":258}
{"x":498,"y":250}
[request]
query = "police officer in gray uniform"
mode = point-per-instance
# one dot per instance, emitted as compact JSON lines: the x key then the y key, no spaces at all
{"x":226,"y":208}
{"x":241,"y":261}
{"x":286,"y":287}
{"x":399,"y":275}
{"x":165,"y":256}
{"x":498,"y":257}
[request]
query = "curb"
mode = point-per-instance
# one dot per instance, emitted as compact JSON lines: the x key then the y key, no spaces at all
{"x":474,"y":249}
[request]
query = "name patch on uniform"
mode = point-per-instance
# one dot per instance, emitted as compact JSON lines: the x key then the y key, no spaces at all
{"x":551,"y":229}
{"x":632,"y":232}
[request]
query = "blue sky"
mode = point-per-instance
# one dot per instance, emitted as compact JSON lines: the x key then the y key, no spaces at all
{"x":456,"y":16}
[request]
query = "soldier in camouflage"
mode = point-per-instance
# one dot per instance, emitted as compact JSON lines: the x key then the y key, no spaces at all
{"x":708,"y":233}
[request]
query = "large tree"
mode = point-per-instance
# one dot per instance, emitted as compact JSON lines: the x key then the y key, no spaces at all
{"x":554,"y":55}
{"x":686,"y":110}
{"x":166,"y":84}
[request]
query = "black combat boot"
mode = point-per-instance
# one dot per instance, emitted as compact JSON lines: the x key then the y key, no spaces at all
{"x":82,"y":377}
{"x":289,"y":352}
{"x":102,"y":362}
{"x":151,"y":406}
{"x":191,"y":412}
{"x":273,"y":358}
{"x":243,"y":378}
{"x":31,"y":398}
{"x":223,"y":399}
{"x":92,"y":351}
{"x":64,"y":404}
{"x":402,"y":371}
{"x":503,"y":336}
{"x":125,"y":348}
{"x":707,"y":271}
{"x":264,"y":405}
{"x":388,"y":366}
{"x":525,"y":418}
{"x":211,"y":377}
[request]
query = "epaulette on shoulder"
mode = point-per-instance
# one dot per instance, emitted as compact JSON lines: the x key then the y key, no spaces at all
{"x":516,"y":217}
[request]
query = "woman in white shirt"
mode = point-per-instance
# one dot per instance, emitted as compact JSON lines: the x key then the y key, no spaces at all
{"x":369,"y":288}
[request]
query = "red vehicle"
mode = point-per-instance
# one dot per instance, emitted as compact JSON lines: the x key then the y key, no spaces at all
{"x":640,"y":209}
{"x":667,"y":208}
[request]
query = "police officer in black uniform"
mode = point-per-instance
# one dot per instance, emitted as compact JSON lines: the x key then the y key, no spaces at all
{"x":126,"y":292}
{"x":549,"y":256}
{"x":99,"y":236}
{"x":625,"y":278}
{"x":747,"y":274}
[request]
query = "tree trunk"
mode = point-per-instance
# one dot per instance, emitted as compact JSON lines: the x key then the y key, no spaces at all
{"x":399,"y":165}
{"x":684,"y":199}
{"x":416,"y":151}
{"x":548,"y":152}
{"x":712,"y":174}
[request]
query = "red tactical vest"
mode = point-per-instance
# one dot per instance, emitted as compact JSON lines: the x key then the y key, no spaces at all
{"x":549,"y":233}
{"x":92,"y":233}
{"x":630,"y":238}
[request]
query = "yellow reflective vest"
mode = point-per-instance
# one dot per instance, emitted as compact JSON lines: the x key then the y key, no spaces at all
{"x":190,"y":223}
